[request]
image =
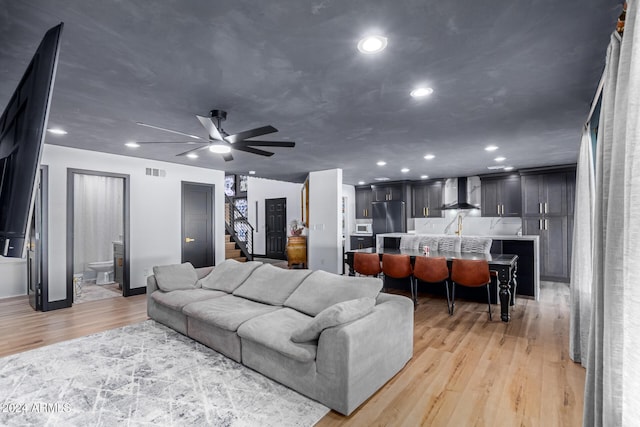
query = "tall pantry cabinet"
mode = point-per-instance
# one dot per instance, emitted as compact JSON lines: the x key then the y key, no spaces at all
{"x":547,"y":211}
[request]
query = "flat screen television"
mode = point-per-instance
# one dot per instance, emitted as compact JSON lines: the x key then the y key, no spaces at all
{"x":22,"y":130}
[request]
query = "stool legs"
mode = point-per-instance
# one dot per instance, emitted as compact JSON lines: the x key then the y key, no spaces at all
{"x":449,"y":304}
{"x":453,"y":297}
{"x":489,"y":301}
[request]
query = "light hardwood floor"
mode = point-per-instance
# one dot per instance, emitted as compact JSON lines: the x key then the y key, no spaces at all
{"x":465,"y":371}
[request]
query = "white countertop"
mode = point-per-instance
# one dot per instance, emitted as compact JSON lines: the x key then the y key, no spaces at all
{"x":495,"y":237}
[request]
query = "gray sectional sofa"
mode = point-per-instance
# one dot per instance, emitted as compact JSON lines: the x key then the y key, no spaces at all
{"x":335,"y":339}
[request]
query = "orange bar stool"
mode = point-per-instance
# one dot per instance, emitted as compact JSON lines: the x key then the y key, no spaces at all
{"x":470,"y":273}
{"x":431,"y":270}
{"x":367,"y":264}
{"x":398,"y":267}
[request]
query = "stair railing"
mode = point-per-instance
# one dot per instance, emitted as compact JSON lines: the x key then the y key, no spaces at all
{"x":238,"y":227}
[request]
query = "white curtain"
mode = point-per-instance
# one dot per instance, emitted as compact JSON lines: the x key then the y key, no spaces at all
{"x":612,"y":390}
{"x":582,"y":257}
{"x":98,"y":218}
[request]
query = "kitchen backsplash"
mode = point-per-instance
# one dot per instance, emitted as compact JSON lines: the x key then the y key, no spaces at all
{"x":472,"y":224}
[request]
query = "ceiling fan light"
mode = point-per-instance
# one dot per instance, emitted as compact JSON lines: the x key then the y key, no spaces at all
{"x":219,"y":148}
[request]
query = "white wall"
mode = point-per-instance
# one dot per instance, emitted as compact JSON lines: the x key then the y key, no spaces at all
{"x":13,"y":277}
{"x":260,"y":189}
{"x":324,"y":242}
{"x":155,"y":212}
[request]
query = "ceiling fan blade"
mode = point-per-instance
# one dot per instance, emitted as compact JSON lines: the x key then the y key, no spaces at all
{"x":168,"y":130}
{"x":241,"y":136}
{"x":227,"y":157}
{"x":253,"y":143}
{"x":210,"y":127}
{"x":253,"y":150}
{"x":204,"y":147}
{"x":171,"y":142}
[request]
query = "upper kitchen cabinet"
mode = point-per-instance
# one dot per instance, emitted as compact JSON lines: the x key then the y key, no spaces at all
{"x":363,"y":202}
{"x":501,"y":195}
{"x":391,"y":191}
{"x":426,"y":199}
{"x":548,"y":193}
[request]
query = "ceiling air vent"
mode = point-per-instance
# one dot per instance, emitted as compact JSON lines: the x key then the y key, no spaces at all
{"x":156,"y":172}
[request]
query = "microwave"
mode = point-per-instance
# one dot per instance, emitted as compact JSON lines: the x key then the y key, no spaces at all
{"x":364,"y":229}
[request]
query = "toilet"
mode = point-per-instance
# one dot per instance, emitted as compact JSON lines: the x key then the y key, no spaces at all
{"x":103,"y":270}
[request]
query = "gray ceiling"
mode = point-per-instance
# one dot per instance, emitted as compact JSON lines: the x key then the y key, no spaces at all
{"x":517,"y":74}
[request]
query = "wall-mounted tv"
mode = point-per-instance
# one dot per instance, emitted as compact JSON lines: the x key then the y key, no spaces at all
{"x":22,"y":129}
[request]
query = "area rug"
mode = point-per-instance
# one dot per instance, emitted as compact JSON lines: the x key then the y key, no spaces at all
{"x":141,"y":375}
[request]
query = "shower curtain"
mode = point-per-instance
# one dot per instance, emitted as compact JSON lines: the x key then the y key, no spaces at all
{"x":98,"y":218}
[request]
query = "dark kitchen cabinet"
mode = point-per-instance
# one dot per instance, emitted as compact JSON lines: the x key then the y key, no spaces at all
{"x":501,"y":196}
{"x":363,"y":202}
{"x":426,"y":199}
{"x":388,"y":192}
{"x":361,"y":242}
{"x":547,"y":207}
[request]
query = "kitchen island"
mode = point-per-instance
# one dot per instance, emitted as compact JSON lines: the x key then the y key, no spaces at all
{"x":526,"y":247}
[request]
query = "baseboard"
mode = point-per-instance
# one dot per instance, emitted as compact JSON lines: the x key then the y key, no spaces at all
{"x":137,"y":291}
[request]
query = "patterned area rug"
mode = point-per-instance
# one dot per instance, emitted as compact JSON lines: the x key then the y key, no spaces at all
{"x":142,"y":375}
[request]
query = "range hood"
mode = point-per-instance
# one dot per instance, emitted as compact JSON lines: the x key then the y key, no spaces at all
{"x":462,"y":197}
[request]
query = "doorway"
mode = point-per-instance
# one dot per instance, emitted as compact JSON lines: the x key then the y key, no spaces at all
{"x":37,"y":249}
{"x":97,"y":235}
{"x":197,"y":224}
{"x":276,"y":233}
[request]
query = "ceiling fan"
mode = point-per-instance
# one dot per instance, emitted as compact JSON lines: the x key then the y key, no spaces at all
{"x":220,"y":141}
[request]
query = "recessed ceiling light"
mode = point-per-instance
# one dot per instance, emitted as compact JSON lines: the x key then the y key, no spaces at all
{"x":372,"y":44}
{"x":132,"y":144}
{"x":421,"y":92}
{"x":508,"y":168}
{"x":491,"y":147}
{"x":500,"y":159}
{"x":360,"y":182}
{"x":383,"y":178}
{"x":219,"y":148}
{"x":57,"y":131}
{"x":192,"y":155}
{"x":429,"y":157}
{"x":404,"y":170}
{"x":381,"y":163}
{"x":424,"y":176}
{"x":252,"y":172}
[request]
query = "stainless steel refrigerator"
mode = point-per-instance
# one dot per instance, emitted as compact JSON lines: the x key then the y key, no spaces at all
{"x":389,"y":217}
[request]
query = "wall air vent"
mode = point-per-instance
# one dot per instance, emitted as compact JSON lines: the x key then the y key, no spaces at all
{"x":156,"y":172}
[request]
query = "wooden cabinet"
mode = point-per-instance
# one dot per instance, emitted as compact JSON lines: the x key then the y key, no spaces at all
{"x":426,"y":199}
{"x":363,"y":202}
{"x":501,"y":196}
{"x":547,"y":206}
{"x":297,"y":251}
{"x":361,"y":242}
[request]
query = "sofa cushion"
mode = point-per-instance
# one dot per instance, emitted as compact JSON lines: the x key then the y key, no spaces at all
{"x":228,"y":275}
{"x":321,"y":290}
{"x":227,"y":312}
{"x":449,"y":244}
{"x":274,"y":330}
{"x":337,"y":314}
{"x":176,"y":276}
{"x":176,"y":300}
{"x":271,"y":285}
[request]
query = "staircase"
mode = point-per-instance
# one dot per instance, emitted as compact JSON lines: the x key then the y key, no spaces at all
{"x":238,"y":234}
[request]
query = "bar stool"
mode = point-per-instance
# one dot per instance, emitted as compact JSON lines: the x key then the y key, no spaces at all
{"x":398,"y":267}
{"x":431,"y":270}
{"x":367,"y":264}
{"x":470,"y":273}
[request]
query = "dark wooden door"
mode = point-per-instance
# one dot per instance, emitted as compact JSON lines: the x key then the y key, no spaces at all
{"x":363,"y":203}
{"x":510,"y":196}
{"x":489,"y":203}
{"x":197,"y":224}
{"x":434,"y":197}
{"x":531,"y":195}
{"x":276,"y":234}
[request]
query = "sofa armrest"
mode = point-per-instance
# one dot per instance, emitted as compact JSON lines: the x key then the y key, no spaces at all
{"x":363,"y":355}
